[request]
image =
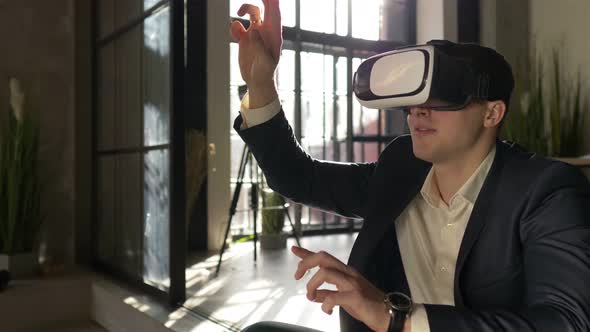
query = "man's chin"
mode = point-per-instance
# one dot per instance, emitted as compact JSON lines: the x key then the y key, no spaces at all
{"x":422,"y":152}
{"x":422,"y":155}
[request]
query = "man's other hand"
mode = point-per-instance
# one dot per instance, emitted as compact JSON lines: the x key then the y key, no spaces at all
{"x":354,"y":293}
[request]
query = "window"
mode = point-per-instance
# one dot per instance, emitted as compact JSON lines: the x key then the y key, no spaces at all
{"x":133,"y":145}
{"x":325,"y":41}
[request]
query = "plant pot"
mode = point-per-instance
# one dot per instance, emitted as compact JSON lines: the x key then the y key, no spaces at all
{"x":273,"y":241}
{"x":20,"y":266}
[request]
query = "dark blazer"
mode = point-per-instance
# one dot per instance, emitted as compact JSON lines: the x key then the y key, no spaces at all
{"x":523,"y":264}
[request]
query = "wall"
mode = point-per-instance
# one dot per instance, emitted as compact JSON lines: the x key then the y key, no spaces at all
{"x":504,"y":26}
{"x":436,"y":19}
{"x":564,"y":24}
{"x":517,"y":28}
{"x":218,"y":121}
{"x":38,"y":47}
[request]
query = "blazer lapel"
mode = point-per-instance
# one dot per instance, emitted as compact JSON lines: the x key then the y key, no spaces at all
{"x":395,"y":187}
{"x":478,"y":217}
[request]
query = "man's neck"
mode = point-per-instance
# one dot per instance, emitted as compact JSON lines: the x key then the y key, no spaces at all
{"x":450,"y":175}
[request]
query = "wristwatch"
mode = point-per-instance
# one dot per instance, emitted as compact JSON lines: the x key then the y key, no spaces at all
{"x":399,"y":306}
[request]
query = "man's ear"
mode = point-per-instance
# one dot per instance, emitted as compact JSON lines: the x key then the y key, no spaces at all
{"x":495,"y":112}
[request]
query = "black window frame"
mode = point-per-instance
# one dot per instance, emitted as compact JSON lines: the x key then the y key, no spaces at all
{"x":176,"y":293}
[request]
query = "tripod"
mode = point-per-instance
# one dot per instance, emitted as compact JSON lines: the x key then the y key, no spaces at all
{"x":244,"y":160}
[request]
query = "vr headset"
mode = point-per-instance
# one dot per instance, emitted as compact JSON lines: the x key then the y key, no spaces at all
{"x":421,"y":75}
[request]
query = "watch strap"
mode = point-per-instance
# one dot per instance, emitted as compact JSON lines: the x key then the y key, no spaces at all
{"x":396,"y":324}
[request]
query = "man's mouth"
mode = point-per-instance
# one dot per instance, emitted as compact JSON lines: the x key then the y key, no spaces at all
{"x":423,"y":131}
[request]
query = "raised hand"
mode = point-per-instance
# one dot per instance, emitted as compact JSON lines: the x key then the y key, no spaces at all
{"x":259,"y":48}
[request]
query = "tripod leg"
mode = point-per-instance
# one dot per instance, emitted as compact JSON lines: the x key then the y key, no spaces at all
{"x":222,"y":250}
{"x":234,"y":203}
{"x":255,"y":213}
{"x":293,"y":227}
{"x":254,"y":176}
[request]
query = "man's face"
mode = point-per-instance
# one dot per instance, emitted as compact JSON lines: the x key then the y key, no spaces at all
{"x":439,"y":136}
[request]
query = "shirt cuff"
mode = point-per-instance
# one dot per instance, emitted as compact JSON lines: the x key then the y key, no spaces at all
{"x":419,"y":319}
{"x":255,"y":116}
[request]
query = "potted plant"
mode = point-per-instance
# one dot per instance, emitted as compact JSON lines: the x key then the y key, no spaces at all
{"x":273,"y":221}
{"x":547,"y":113}
{"x":20,"y":217}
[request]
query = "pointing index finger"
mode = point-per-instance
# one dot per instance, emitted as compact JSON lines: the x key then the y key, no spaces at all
{"x":309,"y":260}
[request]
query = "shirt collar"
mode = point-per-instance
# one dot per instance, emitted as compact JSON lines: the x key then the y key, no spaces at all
{"x":470,"y":189}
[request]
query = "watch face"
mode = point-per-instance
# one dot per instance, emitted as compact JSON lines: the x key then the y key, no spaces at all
{"x":400,"y":301}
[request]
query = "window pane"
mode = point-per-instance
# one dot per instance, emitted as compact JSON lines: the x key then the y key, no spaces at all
{"x":357,"y":121}
{"x":371,"y":152}
{"x":342,"y":17}
{"x":366,"y":152}
{"x":329,"y":116}
{"x":156,"y":218}
{"x":128,"y":107}
{"x":156,"y":78}
{"x":312,"y":116}
{"x":312,"y":71}
{"x":234,"y":106}
{"x":342,"y":117}
{"x":235,"y":82}
{"x":288,"y":104}
{"x":318,"y":15}
{"x":235,"y":77}
{"x":315,"y":147}
{"x":359,"y":152}
{"x":329,"y":147}
{"x":365,"y":121}
{"x":243,"y":222}
{"x":328,"y":74}
{"x":128,"y":221}
{"x":134,"y":76}
{"x":366,"y":19}
{"x":341,"y":77}
{"x":343,"y":152}
{"x":236,"y":150}
{"x":286,"y":71}
{"x":287,"y":10}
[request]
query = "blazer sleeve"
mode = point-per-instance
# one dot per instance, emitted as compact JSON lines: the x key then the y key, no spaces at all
{"x":336,"y":187}
{"x":555,"y":234}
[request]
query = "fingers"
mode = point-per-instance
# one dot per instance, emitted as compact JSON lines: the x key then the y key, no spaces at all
{"x":330,"y":299}
{"x":237,"y":31}
{"x":301,"y":252}
{"x":273,"y":28}
{"x":251,"y":10}
{"x":272,"y":12}
{"x":330,"y":276}
{"x":336,"y":298}
{"x":310,"y":260}
{"x":322,"y":294}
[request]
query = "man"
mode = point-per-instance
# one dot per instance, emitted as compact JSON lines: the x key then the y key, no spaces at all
{"x":481,"y":235}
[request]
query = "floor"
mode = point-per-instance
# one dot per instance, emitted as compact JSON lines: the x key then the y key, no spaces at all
{"x":87,"y":326}
{"x":246,"y":292}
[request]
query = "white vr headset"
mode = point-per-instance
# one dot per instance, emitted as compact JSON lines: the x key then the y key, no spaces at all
{"x":421,"y":75}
